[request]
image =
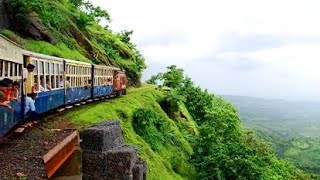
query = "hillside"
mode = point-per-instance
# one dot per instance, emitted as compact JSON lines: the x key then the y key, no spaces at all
{"x":183,"y":132}
{"x":166,"y":147}
{"x":70,"y":29}
{"x":293,"y":119}
{"x":291,"y":127}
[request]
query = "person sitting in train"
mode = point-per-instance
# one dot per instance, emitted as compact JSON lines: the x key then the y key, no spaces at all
{"x":15,"y":91}
{"x":8,"y":93}
{"x":88,"y":85}
{"x":68,"y":85}
{"x":3,"y":101}
{"x":109,"y":82}
{"x":61,"y":83}
{"x":30,"y":108}
{"x":37,"y":86}
{"x":3,"y":89}
{"x":48,"y":85}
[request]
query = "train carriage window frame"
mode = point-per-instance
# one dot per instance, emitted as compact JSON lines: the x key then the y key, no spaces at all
{"x":9,"y":69}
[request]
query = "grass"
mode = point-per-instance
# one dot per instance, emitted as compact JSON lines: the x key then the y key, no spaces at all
{"x":58,"y":50}
{"x":169,"y":161}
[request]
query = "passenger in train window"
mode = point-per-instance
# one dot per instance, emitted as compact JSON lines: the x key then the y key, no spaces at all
{"x":109,"y":81}
{"x":37,"y":86}
{"x":68,"y":85}
{"x":61,"y":83}
{"x":15,"y":91}
{"x":48,"y":85}
{"x":88,"y":85}
{"x":30,"y":108}
{"x":3,"y":101}
{"x":8,"y":93}
{"x":4,"y":89}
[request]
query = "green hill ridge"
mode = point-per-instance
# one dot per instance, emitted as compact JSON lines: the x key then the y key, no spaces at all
{"x":70,"y":29}
{"x":183,"y":132}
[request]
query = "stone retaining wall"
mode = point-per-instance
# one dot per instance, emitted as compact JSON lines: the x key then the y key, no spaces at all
{"x":105,"y":156}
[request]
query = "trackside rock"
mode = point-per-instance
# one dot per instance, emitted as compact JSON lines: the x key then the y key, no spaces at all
{"x":102,"y":137}
{"x":120,"y":162}
{"x":94,"y":164}
{"x":106,"y":157}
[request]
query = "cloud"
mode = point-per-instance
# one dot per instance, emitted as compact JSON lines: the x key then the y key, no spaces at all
{"x":247,"y":47}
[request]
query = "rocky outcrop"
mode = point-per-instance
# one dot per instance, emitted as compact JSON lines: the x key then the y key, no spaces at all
{"x":31,"y":27}
{"x":4,"y":17}
{"x":39,"y":31}
{"x":92,"y":52}
{"x":106,"y":157}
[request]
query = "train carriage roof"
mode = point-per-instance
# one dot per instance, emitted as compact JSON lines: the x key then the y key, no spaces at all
{"x":69,"y":61}
{"x":96,"y":66}
{"x":10,"y":51}
{"x":41,"y":56}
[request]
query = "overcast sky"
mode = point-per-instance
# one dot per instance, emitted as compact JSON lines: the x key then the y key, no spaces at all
{"x":264,"y":48}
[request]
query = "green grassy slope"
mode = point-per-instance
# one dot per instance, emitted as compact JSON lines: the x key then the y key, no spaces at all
{"x":169,"y":161}
{"x":70,"y":29}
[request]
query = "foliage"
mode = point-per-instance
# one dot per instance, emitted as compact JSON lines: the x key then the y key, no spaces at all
{"x":75,"y":24}
{"x":292,"y":128}
{"x":173,"y":78}
{"x":166,"y":160}
{"x":154,"y":79}
{"x":222,"y":150}
{"x":170,"y":103}
{"x":23,"y":8}
{"x":149,"y":126}
{"x":302,"y":152}
{"x":198,"y":102}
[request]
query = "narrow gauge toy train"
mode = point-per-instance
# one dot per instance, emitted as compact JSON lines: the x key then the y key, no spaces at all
{"x":69,"y":81}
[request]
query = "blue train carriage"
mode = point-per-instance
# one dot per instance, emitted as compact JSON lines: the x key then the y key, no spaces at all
{"x":11,"y":61}
{"x":102,"y":80}
{"x":77,"y":81}
{"x":48,"y":76}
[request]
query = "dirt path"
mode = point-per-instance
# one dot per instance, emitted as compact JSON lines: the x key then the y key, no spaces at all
{"x":21,"y":155}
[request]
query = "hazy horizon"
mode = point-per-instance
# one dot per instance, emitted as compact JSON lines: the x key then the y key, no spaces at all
{"x":249,"y":48}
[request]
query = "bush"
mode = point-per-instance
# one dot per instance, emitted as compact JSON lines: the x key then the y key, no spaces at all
{"x":148,"y":125}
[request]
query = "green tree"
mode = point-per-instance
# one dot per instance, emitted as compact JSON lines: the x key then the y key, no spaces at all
{"x":155,"y":78}
{"x":173,"y":77}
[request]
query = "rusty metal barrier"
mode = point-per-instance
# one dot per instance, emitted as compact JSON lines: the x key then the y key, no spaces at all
{"x":55,"y":158}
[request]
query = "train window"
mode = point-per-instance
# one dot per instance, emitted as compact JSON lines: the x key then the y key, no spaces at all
{"x":11,"y":71}
{"x":35,"y":63}
{"x":5,"y":69}
{"x":61,"y":70}
{"x":40,"y":67}
{"x":52,"y":82}
{"x":73,"y":81}
{"x":56,"y":69}
{"x":46,"y":68}
{"x":1,"y":70}
{"x":57,"y":82}
{"x":16,"y":69}
{"x":51,"y":68}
